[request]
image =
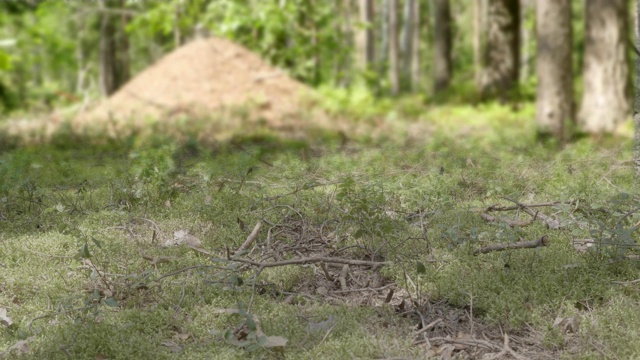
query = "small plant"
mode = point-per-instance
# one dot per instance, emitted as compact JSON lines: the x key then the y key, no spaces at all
{"x":613,"y":224}
{"x":248,"y":334}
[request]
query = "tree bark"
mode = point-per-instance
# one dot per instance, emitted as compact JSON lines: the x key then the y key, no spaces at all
{"x":636,"y":103}
{"x":479,"y":31}
{"x":605,"y":102}
{"x":501,"y":55}
{"x":442,"y":40}
{"x":365,"y":41}
{"x":343,"y":65}
{"x":526,"y":34}
{"x":554,"y":105}
{"x":383,"y":49}
{"x":394,"y":66}
{"x":415,"y":46}
{"x":114,"y":48}
{"x":406,"y":46}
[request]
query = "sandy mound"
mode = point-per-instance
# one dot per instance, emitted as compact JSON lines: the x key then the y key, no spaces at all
{"x":214,"y":78}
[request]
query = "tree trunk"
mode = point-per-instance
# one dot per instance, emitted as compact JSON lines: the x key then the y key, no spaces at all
{"x":479,"y":31}
{"x":415,"y":46}
{"x":114,"y":48}
{"x":442,"y":41}
{"x":501,"y":55}
{"x":605,"y":103}
{"x":343,"y":65}
{"x":636,"y":103}
{"x":555,"y":79}
{"x":406,"y":44}
{"x":526,"y":34}
{"x":394,"y":66}
{"x":365,"y":41}
{"x":383,"y":50}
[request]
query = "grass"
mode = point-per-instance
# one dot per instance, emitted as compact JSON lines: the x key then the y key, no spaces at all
{"x":84,"y":274}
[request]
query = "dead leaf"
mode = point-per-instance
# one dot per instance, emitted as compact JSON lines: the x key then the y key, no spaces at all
{"x":4,"y":319}
{"x":173,"y":347}
{"x":19,"y":348}
{"x":192,"y":241}
{"x":321,"y":291}
{"x":322,"y":326}
{"x":567,"y":325}
{"x":273,"y":341}
{"x":101,"y":357}
{"x":582,"y":245}
{"x":182,"y":237}
{"x":181,"y":337}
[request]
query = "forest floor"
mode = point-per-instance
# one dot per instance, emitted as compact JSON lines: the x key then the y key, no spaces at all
{"x":346,"y":246}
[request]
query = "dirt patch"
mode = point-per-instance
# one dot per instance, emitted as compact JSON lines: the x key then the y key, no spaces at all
{"x":348,"y":275}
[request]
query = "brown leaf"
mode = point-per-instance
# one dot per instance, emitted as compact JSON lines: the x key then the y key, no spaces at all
{"x":4,"y":319}
{"x":181,"y":337}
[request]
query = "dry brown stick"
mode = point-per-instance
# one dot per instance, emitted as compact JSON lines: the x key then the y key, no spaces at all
{"x":313,"y":260}
{"x":510,"y":208}
{"x":326,"y":272}
{"x":507,"y":349}
{"x":502,"y":352}
{"x":626,"y":282}
{"x":511,"y":223}
{"x":527,"y":209}
{"x":429,"y":327}
{"x":541,"y":241}
{"x":343,"y":277}
{"x":468,"y":342}
{"x":250,"y":239}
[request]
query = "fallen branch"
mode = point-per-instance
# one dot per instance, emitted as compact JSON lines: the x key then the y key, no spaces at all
{"x":546,"y":220}
{"x":541,"y":241}
{"x":429,"y":327}
{"x":468,"y":342}
{"x":631,"y":282}
{"x":511,"y":208}
{"x":506,"y":349}
{"x":313,"y":260}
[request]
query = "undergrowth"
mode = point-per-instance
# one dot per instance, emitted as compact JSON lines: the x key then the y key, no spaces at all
{"x":88,"y":270}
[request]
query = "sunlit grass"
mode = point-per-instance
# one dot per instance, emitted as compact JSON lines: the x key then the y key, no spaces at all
{"x":54,"y":199}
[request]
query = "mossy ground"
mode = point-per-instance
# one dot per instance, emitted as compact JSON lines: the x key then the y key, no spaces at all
{"x":75,"y":224}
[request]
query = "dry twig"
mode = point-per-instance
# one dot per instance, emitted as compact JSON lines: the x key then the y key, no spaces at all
{"x":541,"y":241}
{"x":250,"y":239}
{"x":313,"y":260}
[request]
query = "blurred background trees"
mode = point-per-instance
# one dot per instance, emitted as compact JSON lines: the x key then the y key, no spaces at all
{"x":56,"y":53}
